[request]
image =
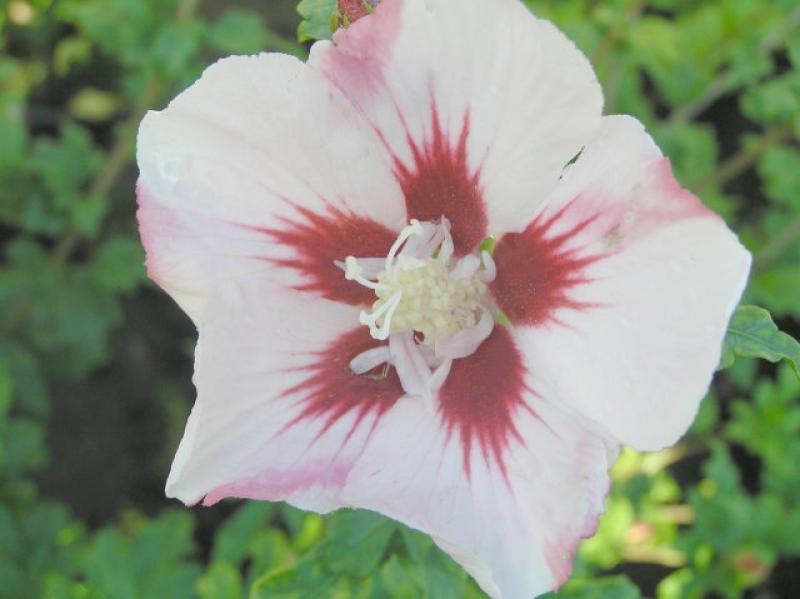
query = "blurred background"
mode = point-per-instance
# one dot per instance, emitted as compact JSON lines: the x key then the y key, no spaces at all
{"x":95,"y":362}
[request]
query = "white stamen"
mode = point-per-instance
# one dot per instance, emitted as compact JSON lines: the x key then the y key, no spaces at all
{"x":466,"y":267}
{"x":490,"y":268}
{"x":366,"y":361}
{"x":370,"y":267}
{"x":447,"y":247}
{"x":422,"y":246}
{"x":413,"y":229}
{"x":411,"y":366}
{"x":353,"y":272}
{"x":430,"y":305}
{"x":387,"y":311}
{"x":465,"y":342}
{"x":439,"y":375}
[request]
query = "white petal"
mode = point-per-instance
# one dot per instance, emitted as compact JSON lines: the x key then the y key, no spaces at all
{"x":637,"y":341}
{"x":246,"y":359}
{"x":412,"y":368}
{"x":531,"y":98}
{"x":513,"y":526}
{"x":366,"y":361}
{"x":464,"y":343}
{"x":250,"y":143}
{"x":466,"y":267}
{"x":515,"y":536}
{"x":513,"y":518}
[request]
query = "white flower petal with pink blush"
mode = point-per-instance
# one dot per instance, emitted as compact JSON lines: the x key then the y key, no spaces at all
{"x":480,"y":104}
{"x":217,"y":189}
{"x":358,"y":344}
{"x":632,"y":291}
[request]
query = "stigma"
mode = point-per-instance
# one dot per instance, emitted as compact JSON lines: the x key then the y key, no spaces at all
{"x":430,"y":305}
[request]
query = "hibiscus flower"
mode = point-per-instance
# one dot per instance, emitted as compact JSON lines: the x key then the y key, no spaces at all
{"x":430,"y":279}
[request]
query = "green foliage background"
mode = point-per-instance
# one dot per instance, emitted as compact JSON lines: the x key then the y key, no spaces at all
{"x":95,"y":363}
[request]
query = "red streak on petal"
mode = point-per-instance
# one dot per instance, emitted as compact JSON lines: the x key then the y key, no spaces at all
{"x":319,"y":240}
{"x":535,"y":271}
{"x":539,"y":268}
{"x":482,"y":396}
{"x":332,"y":392}
{"x":439,"y":183}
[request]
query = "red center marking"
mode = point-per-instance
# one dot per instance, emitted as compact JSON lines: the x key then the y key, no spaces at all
{"x":535,"y":272}
{"x":483,"y":395}
{"x":319,"y":240}
{"x":332,"y":391}
{"x":439,"y":182}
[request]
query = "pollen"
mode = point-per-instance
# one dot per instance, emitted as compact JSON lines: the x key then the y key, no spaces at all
{"x":432,"y":302}
{"x":422,"y":287}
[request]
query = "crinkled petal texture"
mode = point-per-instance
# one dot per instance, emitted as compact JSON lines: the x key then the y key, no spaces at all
{"x":263,"y":174}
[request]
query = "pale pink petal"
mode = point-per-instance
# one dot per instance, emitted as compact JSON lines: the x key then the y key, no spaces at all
{"x":480,"y":103}
{"x":465,"y":342}
{"x":505,"y":480}
{"x":262,"y":168}
{"x":279,"y":415}
{"x":624,"y":308}
{"x":514,"y":514}
{"x":410,"y":364}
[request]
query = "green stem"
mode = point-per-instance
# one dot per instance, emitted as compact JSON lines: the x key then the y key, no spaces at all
{"x":773,"y":250}
{"x":745,"y":158}
{"x":615,"y":34}
{"x":724,"y":82}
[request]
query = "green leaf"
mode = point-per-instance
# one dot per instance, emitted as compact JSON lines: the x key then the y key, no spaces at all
{"x":237,"y":534}
{"x":777,"y":288}
{"x":398,"y":580}
{"x":88,"y":214}
{"x":68,"y":162}
{"x":316,"y":23}
{"x":610,"y":587}
{"x":118,"y":265}
{"x":779,"y":168}
{"x":221,"y":581}
{"x":239,"y":31}
{"x":306,"y":579}
{"x":753,"y":334}
{"x":692,"y":149}
{"x":94,"y":105}
{"x":707,"y":415}
{"x":417,"y":544}
{"x":269,"y":551}
{"x":6,"y":389}
{"x":357,"y":540}
{"x":768,"y":425}
{"x":442,"y":577}
{"x":153,"y":564}
{"x":73,"y":50}
{"x":776,"y":101}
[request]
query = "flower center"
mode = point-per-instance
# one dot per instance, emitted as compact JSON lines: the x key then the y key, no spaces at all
{"x":431,"y":306}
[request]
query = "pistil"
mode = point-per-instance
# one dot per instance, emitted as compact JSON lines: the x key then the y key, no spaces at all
{"x":433,"y":308}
